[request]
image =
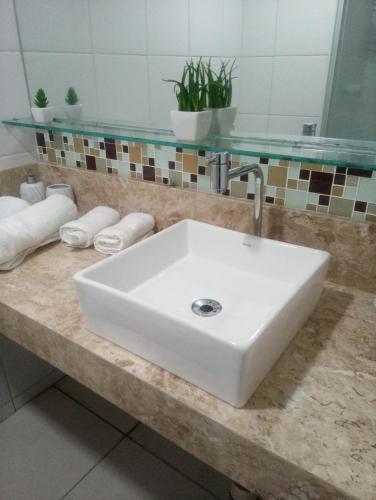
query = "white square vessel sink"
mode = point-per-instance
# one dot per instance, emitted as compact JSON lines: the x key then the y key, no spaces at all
{"x":141,"y":299}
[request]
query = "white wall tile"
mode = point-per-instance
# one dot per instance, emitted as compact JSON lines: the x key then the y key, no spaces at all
{"x":167,"y":27}
{"x":259,"y":27}
{"x":122,"y":85}
{"x":23,"y":369}
{"x":299,"y":84}
{"x":210,"y":479}
{"x":4,"y":391}
{"x":8,"y":28}
{"x":291,"y":124}
{"x":13,"y":93}
{"x":206,"y":27}
{"x":13,"y":100}
{"x":15,"y":160}
{"x":252,"y":123}
{"x":38,"y":387}
{"x":56,"y":72}
{"x":6,"y":411}
{"x":236,"y":85}
{"x":305,"y":27}
{"x":167,"y":32}
{"x":54,"y":25}
{"x":9,"y":144}
{"x":255,"y":84}
{"x":96,"y":404}
{"x":118,"y":26}
{"x":232,"y":28}
{"x":162,"y":94}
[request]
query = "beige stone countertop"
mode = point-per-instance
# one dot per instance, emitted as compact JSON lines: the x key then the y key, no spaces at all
{"x":308,"y":432}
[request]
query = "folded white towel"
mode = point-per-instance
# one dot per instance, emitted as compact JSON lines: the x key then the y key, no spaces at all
{"x":130,"y":229}
{"x":10,"y":205}
{"x":81,"y":232}
{"x":37,"y":225}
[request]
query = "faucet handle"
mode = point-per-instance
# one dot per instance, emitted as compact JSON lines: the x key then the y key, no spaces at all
{"x":220,"y":163}
{"x":211,"y":160}
{"x":222,"y":158}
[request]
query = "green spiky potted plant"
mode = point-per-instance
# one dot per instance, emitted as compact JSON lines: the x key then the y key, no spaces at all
{"x":41,"y":111}
{"x":219,"y":86}
{"x":73,"y":109}
{"x":191,"y":121}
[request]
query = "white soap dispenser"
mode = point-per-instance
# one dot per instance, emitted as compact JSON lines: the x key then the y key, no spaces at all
{"x":32,"y":190}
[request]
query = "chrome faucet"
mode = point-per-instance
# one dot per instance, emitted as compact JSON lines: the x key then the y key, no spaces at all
{"x":221,"y":174}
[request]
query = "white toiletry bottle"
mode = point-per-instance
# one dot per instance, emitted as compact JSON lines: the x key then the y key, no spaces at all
{"x":32,"y":190}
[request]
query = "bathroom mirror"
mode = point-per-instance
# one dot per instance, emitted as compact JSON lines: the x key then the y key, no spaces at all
{"x":297,"y":61}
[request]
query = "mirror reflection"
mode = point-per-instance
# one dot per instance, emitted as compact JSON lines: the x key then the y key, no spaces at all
{"x":297,"y":61}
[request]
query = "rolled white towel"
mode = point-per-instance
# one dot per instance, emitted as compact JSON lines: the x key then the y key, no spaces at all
{"x":37,"y":225}
{"x":130,"y":229}
{"x":81,"y":232}
{"x":10,"y":205}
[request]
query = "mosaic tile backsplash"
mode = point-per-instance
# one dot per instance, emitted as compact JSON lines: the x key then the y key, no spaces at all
{"x":347,"y":192}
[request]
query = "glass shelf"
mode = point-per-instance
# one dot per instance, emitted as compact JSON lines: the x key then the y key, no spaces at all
{"x":336,"y":152}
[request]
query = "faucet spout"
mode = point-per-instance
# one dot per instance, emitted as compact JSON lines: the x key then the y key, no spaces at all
{"x":256,"y":170}
{"x":221,"y":174}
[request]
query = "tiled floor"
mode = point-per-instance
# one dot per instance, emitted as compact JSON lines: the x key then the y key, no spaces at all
{"x":68,"y":443}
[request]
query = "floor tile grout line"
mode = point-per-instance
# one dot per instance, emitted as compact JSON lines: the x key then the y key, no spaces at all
{"x":129,"y":436}
{"x":39,"y":381}
{"x":161,"y":459}
{"x":2,"y":369}
{"x":133,"y":429}
{"x":77,"y":401}
{"x":94,"y":466}
{"x":124,"y":436}
{"x":33,"y":398}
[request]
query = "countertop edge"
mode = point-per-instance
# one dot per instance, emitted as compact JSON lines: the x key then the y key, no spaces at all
{"x":209,"y":441}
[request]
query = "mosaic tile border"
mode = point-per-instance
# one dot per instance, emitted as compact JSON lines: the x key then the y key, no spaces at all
{"x":347,"y":192}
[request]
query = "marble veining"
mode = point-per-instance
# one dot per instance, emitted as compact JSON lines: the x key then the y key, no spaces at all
{"x":339,"y":236}
{"x":310,"y":426}
{"x":309,"y":430}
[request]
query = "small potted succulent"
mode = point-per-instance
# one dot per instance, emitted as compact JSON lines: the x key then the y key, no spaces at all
{"x":41,"y":112}
{"x":191,"y":122}
{"x":219,"y":87}
{"x":73,"y":110}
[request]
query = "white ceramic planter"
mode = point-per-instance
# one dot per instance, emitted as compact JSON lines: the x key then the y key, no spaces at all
{"x":73,"y":112}
{"x":191,"y":125}
{"x":222,"y":120}
{"x":43,"y":115}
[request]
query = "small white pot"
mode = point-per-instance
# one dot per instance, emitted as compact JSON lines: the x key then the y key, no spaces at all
{"x":64,"y":189}
{"x":191,"y":125}
{"x":223,"y":120}
{"x":73,"y":112}
{"x":43,"y":115}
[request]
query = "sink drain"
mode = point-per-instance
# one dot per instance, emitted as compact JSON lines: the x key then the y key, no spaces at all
{"x":206,"y":307}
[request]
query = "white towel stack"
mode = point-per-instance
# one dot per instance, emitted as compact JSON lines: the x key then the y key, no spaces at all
{"x":80,"y":233}
{"x":129,"y":230}
{"x":10,"y":205}
{"x":35,"y":226}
